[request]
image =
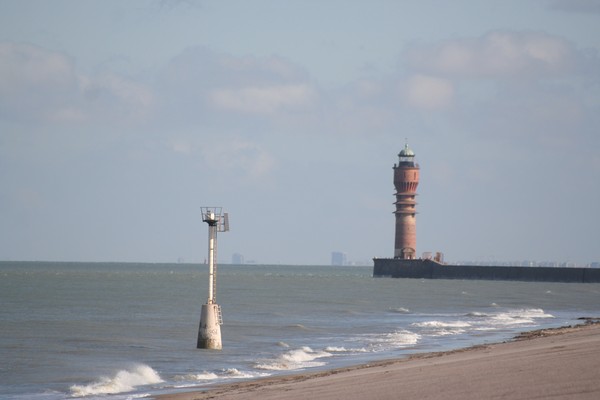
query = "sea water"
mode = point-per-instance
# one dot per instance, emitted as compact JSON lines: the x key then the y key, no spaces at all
{"x":125,"y":330}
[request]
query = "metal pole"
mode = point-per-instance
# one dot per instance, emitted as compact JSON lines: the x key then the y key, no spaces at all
{"x":215,"y":265}
{"x":211,"y":263}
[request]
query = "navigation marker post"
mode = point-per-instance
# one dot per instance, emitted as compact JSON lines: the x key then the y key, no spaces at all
{"x":209,"y":331}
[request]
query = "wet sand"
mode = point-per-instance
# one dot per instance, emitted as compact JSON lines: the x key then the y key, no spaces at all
{"x":561,"y":363}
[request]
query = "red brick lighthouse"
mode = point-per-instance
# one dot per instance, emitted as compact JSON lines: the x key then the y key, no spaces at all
{"x":406,"y":180}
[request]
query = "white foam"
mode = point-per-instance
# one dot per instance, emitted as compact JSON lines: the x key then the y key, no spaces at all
{"x":485,"y":328}
{"x":122,"y":381}
{"x":477,"y":314}
{"x":535,"y":313}
{"x":298,"y":326}
{"x":441,"y":324}
{"x":482,"y":321}
{"x":519,"y":317}
{"x":336,"y":349}
{"x":441,"y":328}
{"x":392,"y":340}
{"x":203,"y":376}
{"x":234,"y":373}
{"x":342,"y":349}
{"x":400,"y":310}
{"x":295,"y":359}
{"x":403,"y":338}
{"x":229,"y":373}
{"x":446,"y":332}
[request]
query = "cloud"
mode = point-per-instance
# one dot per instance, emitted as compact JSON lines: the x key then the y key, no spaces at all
{"x":181,"y":146}
{"x":34,"y":82}
{"x":118,"y":96}
{"x":504,"y":86}
{"x":200,"y":81}
{"x":428,"y":92}
{"x":241,"y":157}
{"x":199,"y":69}
{"x":24,"y":64}
{"x":264,"y":100}
{"x":498,"y":54}
{"x":40,"y":85}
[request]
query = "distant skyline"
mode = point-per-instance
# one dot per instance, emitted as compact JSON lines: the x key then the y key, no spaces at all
{"x":119,"y":120}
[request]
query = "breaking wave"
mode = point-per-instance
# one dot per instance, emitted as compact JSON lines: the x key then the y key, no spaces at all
{"x":400,"y":310}
{"x":392,"y":340}
{"x":294,"y":359}
{"x":229,"y":373}
{"x":519,"y":317}
{"x":440,"y":328}
{"x":342,"y":349}
{"x":441,"y":324}
{"x":203,"y":376}
{"x":193,"y":380}
{"x":477,"y":321}
{"x":122,"y":381}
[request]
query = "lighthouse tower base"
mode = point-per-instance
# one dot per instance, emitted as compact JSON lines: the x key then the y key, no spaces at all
{"x":209,"y":332}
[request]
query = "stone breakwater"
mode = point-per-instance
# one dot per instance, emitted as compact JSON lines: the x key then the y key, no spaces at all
{"x":429,"y":269}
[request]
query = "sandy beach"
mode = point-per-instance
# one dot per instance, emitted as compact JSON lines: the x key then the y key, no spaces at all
{"x":561,"y":363}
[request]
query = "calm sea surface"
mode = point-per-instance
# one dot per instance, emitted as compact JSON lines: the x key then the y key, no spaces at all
{"x":125,"y":330}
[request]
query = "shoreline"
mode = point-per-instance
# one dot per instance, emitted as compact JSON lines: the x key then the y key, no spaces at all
{"x":555,"y":362}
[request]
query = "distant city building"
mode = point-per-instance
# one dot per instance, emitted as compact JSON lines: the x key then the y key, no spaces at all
{"x":338,"y":258}
{"x":549,"y":264}
{"x":237,"y":258}
{"x":568,"y":264}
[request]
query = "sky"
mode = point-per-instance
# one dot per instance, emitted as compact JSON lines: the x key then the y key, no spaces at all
{"x":119,"y":120}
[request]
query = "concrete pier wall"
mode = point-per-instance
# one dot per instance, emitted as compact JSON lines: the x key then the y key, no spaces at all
{"x":429,"y":269}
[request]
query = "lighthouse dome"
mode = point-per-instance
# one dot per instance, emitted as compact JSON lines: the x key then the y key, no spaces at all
{"x":406,"y":152}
